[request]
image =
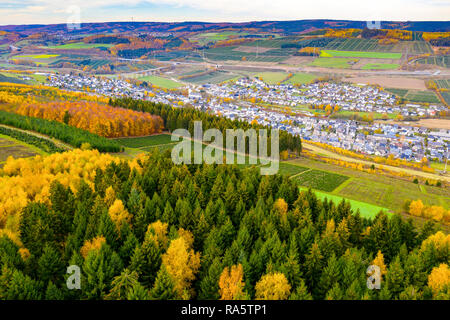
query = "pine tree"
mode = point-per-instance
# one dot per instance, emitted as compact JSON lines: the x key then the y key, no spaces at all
{"x":164,"y":288}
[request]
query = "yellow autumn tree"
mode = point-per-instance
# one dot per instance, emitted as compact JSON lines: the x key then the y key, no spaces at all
{"x":439,"y":278}
{"x":182,"y":263}
{"x":118,"y":213}
{"x":89,"y":245}
{"x":157,"y":231}
{"x":273,"y":286}
{"x":416,"y":207}
{"x":379,"y":261}
{"x":231,"y":283}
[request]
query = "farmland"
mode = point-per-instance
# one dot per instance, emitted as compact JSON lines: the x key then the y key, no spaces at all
{"x":80,"y":45}
{"x":271,"y":77}
{"x":161,"y":82}
{"x":341,"y":63}
{"x":380,"y":66}
{"x":320,"y":180}
{"x":441,"y":61}
{"x":147,"y":141}
{"x":356,"y":44}
{"x":211,"y":77}
{"x":421,"y":96}
{"x":361,"y":54}
{"x":382,"y":191}
{"x":301,"y":78}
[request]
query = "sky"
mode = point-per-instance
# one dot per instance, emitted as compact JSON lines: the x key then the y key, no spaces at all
{"x":57,"y":11}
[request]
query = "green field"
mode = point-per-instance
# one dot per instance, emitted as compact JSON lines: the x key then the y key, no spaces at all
{"x":212,"y":77}
{"x":290,"y":169}
{"x":398,"y":92}
{"x":341,"y":63}
{"x":379,"y":190}
{"x":361,"y":54}
{"x":380,"y":66}
{"x":301,"y":78}
{"x":140,"y":142}
{"x":161,"y":82}
{"x":422,"y":96}
{"x":81,"y":45}
{"x":372,"y":45}
{"x":320,"y":180}
{"x":365,"y":209}
{"x":271,"y":77}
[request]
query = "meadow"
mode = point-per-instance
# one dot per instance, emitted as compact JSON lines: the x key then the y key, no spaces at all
{"x":380,"y":66}
{"x":161,"y":82}
{"x":341,"y":63}
{"x":301,"y":78}
{"x":360,"y":54}
{"x":271,"y":77}
{"x":80,"y":45}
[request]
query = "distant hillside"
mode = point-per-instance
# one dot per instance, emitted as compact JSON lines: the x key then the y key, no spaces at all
{"x":263,"y":26}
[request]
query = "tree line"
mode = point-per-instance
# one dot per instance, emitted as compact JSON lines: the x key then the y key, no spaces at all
{"x":61,"y":131}
{"x":43,"y":144}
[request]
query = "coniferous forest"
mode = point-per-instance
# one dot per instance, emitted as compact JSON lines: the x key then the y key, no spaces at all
{"x":154,"y":230}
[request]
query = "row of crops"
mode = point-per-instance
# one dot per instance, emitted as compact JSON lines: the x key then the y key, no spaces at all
{"x":442,"y":61}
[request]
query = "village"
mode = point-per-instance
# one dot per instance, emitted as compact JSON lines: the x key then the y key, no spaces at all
{"x":232,"y":100}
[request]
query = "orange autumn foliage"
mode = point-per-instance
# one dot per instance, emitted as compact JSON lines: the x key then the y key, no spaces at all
{"x":100,"y":119}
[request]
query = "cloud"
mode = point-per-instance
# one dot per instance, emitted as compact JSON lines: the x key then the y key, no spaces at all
{"x":54,"y":11}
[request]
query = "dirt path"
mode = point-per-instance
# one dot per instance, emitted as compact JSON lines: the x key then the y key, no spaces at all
{"x":412,"y":172}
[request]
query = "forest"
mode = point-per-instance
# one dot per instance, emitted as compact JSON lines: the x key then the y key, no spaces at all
{"x":150,"y":229}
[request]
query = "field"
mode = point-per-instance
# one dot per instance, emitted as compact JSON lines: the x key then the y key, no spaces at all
{"x":320,"y":180}
{"x":443,"y":83}
{"x":365,"y":209}
{"x":441,"y":61}
{"x":361,"y":54}
{"x":301,"y":78}
{"x":38,"y":56}
{"x":16,"y":149}
{"x":380,"y":66}
{"x":290,"y":169}
{"x":383,"y":191}
{"x":398,"y":92}
{"x":161,"y":82}
{"x":391,"y":82}
{"x":212,"y":77}
{"x":80,"y":45}
{"x":372,"y":45}
{"x":342,"y":63}
{"x":231,"y":53}
{"x":422,"y":96}
{"x":140,"y":142}
{"x":271,"y":77}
